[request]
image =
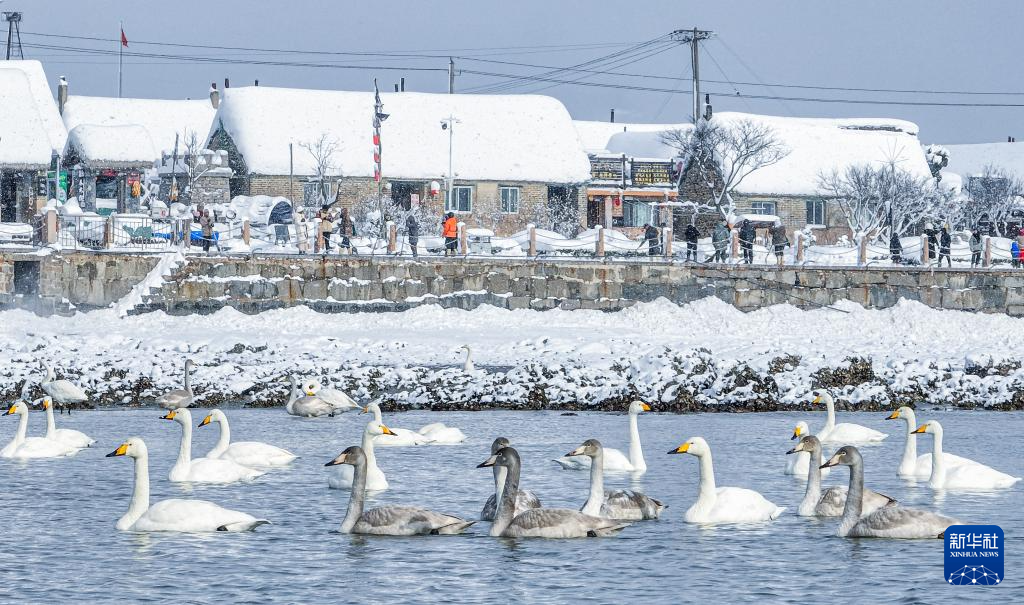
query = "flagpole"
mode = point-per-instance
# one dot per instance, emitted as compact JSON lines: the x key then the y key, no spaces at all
{"x":120,"y":57}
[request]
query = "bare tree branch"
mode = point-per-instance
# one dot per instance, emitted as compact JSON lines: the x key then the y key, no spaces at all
{"x":322,"y":150}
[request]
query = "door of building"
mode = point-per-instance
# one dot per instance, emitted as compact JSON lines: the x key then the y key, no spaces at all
{"x":8,"y":197}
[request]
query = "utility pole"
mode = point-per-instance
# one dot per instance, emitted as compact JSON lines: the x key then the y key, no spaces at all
{"x":451,"y":75}
{"x":13,"y":31}
{"x":693,"y":38}
{"x":449,"y":125}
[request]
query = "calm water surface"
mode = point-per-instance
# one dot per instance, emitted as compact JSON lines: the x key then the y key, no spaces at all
{"x":59,"y":542}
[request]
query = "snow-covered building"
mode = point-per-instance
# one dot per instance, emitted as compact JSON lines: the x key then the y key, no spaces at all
{"x":30,"y":134}
{"x":789,"y":188}
{"x":515,"y":159}
{"x":99,"y":155}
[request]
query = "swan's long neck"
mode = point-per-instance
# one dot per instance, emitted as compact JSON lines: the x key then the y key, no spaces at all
{"x":19,"y":437}
{"x":185,"y":448}
{"x":294,"y":395}
{"x":636,"y":452}
{"x":500,"y":472}
{"x":367,"y":445}
{"x":830,"y":418}
{"x":50,"y":375}
{"x":596,"y":499}
{"x":225,"y":436}
{"x":909,"y":462}
{"x":51,"y":426}
{"x":188,"y":379}
{"x":707,"y":495}
{"x":140,"y":494}
{"x":507,"y":503}
{"x":854,"y":498}
{"x":813,"y":492}
{"x":938,"y":476}
{"x":355,"y":503}
{"x":469,"y":356}
{"x":377,"y":416}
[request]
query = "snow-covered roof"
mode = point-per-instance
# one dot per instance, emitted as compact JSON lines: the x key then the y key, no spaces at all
{"x":39,"y":94}
{"x":126,"y":146}
{"x":23,"y":140}
{"x":815,"y":145}
{"x":968,"y":160}
{"x":515,"y":138}
{"x":163,"y":119}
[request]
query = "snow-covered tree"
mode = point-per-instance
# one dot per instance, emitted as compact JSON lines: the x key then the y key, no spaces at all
{"x":723,"y":154}
{"x":371,"y":215}
{"x":938,"y":158}
{"x":322,"y":150}
{"x":992,"y":195}
{"x":193,"y":166}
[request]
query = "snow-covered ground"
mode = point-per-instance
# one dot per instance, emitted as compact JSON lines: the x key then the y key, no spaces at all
{"x":680,"y":357}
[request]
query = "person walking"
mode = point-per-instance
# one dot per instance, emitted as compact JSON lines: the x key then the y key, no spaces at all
{"x":779,"y":240}
{"x":652,"y":236}
{"x":895,"y":248}
{"x":450,"y":231}
{"x":206,"y":224}
{"x":976,"y":247}
{"x":348,"y":231}
{"x":692,"y":234}
{"x":412,"y":230}
{"x":1018,"y":257}
{"x":933,"y":241}
{"x":301,"y":230}
{"x":326,"y":227}
{"x":747,"y":235}
{"x":945,"y":242}
{"x":720,"y":241}
{"x":1015,"y":252}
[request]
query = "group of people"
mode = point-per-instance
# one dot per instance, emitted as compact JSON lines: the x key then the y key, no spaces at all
{"x":721,"y":236}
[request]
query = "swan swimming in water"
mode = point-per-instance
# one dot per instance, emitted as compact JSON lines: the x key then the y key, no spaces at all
{"x":799,"y":464}
{"x":175,"y":514}
{"x":203,"y":470}
{"x":626,"y":505}
{"x":32,"y":447}
{"x":179,"y":398}
{"x":833,"y":501}
{"x":247,"y":453}
{"x":525,"y":499}
{"x":305,"y":406}
{"x":844,"y":432}
{"x":342,"y":476}
{"x":388,"y":520}
{"x":399,"y":437}
{"x":967,"y":476}
{"x":539,"y":522}
{"x":69,"y":437}
{"x":62,"y":391}
{"x":885,"y":522}
{"x":614,"y":460}
{"x":338,"y":400}
{"x":723,"y":504}
{"x":913,"y":466}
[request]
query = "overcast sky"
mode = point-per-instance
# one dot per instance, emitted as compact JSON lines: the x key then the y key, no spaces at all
{"x":930,"y":45}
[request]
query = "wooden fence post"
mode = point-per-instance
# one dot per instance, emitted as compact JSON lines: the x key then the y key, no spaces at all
{"x":924,"y":250}
{"x":862,"y":251}
{"x":247,"y":232}
{"x":799,"y":247}
{"x":188,"y":232}
{"x":987,"y":258}
{"x":463,"y":239}
{"x":108,"y":231}
{"x":666,"y":235}
{"x":735,"y":248}
{"x":599,"y":246}
{"x":532,"y":230}
{"x":50,"y":227}
{"x":392,"y":237}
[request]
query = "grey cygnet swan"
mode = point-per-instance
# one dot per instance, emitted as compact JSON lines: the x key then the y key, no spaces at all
{"x":624,"y":504}
{"x":525,"y":499}
{"x":832,"y":502}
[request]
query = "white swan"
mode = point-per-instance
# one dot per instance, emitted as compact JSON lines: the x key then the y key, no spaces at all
{"x":844,"y":432}
{"x":832,"y":502}
{"x":179,"y":398}
{"x":968,"y":476}
{"x":913,"y":466}
{"x":203,"y":470}
{"x":723,"y":504}
{"x":338,"y":399}
{"x":174,"y":514}
{"x":342,"y":477}
{"x":306,"y":406}
{"x":627,"y":505}
{"x":885,"y":522}
{"x":400,"y":437}
{"x":539,"y":522}
{"x":62,"y":391}
{"x":441,"y":434}
{"x":615,"y":460}
{"x":524,"y":500}
{"x":32,"y":447}
{"x":467,"y":366}
{"x":388,"y":520}
{"x":247,"y":453}
{"x":799,"y":464}
{"x":69,"y":437}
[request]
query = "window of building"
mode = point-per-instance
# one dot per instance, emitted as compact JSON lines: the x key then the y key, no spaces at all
{"x":635,"y":213}
{"x":816,"y":212}
{"x":509,"y":199}
{"x":462,"y":200}
{"x":762,"y":207}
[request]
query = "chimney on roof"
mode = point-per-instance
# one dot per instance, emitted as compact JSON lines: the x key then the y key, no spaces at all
{"x":1011,"y":140}
{"x":403,"y":84}
{"x":396,"y":86}
{"x":612,"y":119}
{"x":62,"y":94}
{"x":214,"y":95}
{"x":256,"y":83}
{"x":707,"y":107}
{"x":226,"y":84}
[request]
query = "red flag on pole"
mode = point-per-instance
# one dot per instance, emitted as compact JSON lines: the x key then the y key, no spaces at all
{"x":124,"y":39}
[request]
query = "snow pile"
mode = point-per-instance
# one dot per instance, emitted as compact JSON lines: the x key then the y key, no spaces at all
{"x":496,"y":137}
{"x":123,"y":146}
{"x":169,"y":263}
{"x":162,"y":119}
{"x":41,"y":97}
{"x":24,"y":141}
{"x":698,"y":356}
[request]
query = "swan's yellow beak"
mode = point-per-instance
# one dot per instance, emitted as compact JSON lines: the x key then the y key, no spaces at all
{"x":386,"y":430}
{"x":46,"y":403}
{"x":645,"y":407}
{"x":817,"y":399}
{"x":796,"y":433}
{"x":120,"y":451}
{"x":682,"y":449}
{"x":14,"y":408}
{"x":168,"y":416}
{"x":893,"y":416}
{"x":206,"y":420}
{"x":922,"y":429}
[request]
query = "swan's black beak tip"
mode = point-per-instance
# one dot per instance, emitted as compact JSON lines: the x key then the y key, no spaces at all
{"x":483,"y":465}
{"x":792,"y":451}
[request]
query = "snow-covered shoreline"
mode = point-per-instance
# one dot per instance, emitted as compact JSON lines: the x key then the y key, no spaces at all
{"x":701,"y":356}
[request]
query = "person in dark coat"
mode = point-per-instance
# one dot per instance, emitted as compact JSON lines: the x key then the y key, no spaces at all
{"x":933,"y":240}
{"x":895,"y":248}
{"x":976,"y":248}
{"x":692,"y":234}
{"x":779,"y":241}
{"x":720,"y":240}
{"x":653,"y":237}
{"x":347,"y":229}
{"x":747,"y":235}
{"x":412,"y":229}
{"x":944,"y":244}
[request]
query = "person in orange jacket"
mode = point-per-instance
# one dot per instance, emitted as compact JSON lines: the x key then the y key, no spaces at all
{"x":450,"y":231}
